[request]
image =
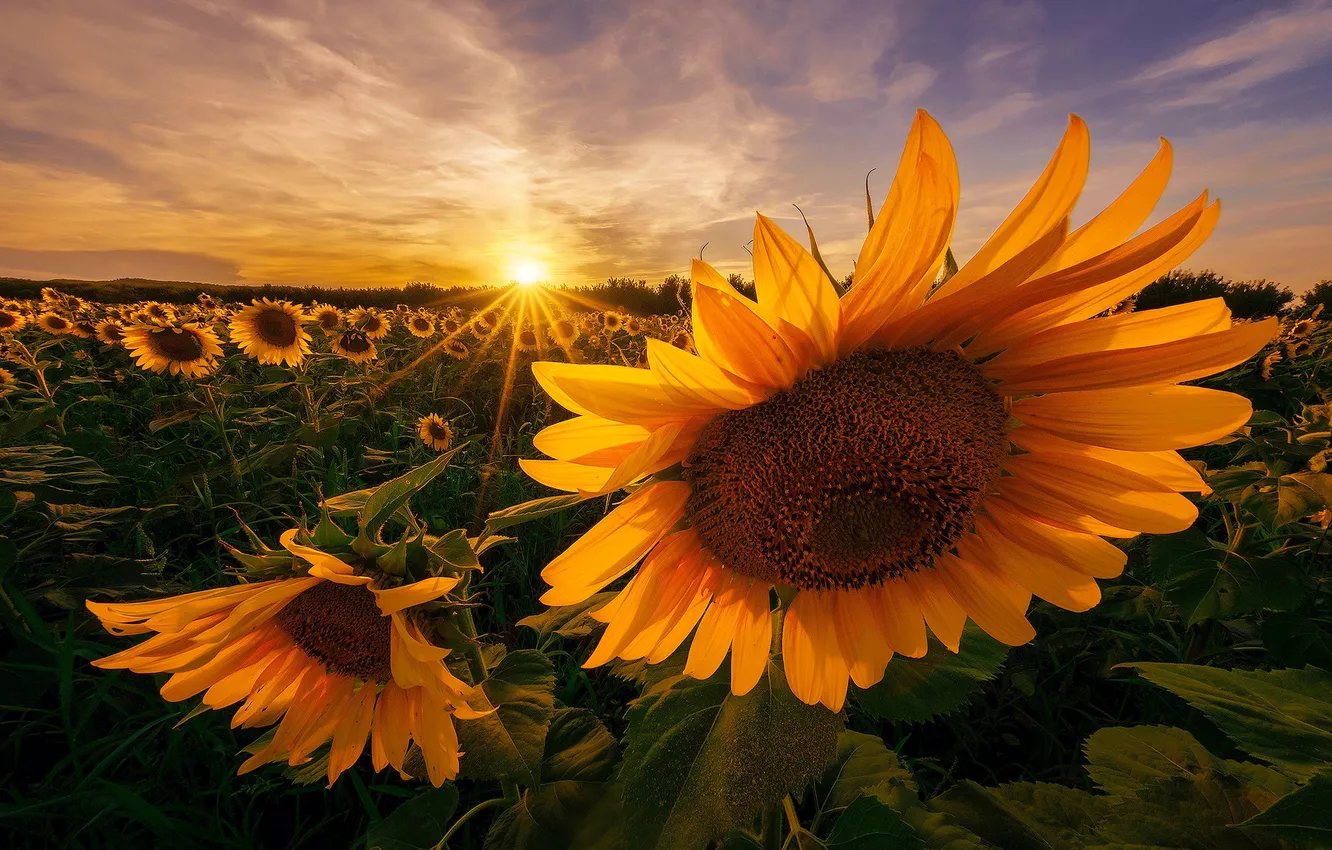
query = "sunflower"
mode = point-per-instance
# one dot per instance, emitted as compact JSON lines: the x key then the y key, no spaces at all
{"x":910,"y":454}
{"x":160,"y":313}
{"x":526,"y":340}
{"x":611,"y":321}
{"x":483,"y":323}
{"x":110,"y":332}
{"x":327,"y":317}
{"x":369,"y":322}
{"x":421,"y":326}
{"x":83,"y":329}
{"x":7,"y":378}
{"x":54,"y":323}
{"x":355,"y":346}
{"x":11,"y":321}
{"x":594,"y":341}
{"x":451,"y":326}
{"x":633,"y":326}
{"x":435,"y":432}
{"x":563,"y":332}
{"x":271,"y":332}
{"x":456,"y":349}
{"x":327,"y":653}
{"x":683,"y":341}
{"x":189,"y":349}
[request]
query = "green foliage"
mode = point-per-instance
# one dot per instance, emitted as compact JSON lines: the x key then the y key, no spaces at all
{"x":1303,"y":817}
{"x":1248,"y":300}
{"x":417,"y":824}
{"x":699,"y":761}
{"x":510,"y":743}
{"x":915,"y":690}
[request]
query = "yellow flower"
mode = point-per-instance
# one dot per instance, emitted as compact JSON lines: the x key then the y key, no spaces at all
{"x":271,"y":332}
{"x":611,"y":321}
{"x":421,"y":326}
{"x":329,"y":655}
{"x":484,"y":322}
{"x":6,"y":377}
{"x":526,"y":340}
{"x":160,"y":313}
{"x":370,"y":322}
{"x":456,"y":349}
{"x":110,"y":332}
{"x":435,"y":432}
{"x":54,"y":323}
{"x":563,"y":332}
{"x":633,"y":326}
{"x":327,"y":317}
{"x":355,"y":346}
{"x":11,"y":321}
{"x":910,"y":454}
{"x":188,"y":350}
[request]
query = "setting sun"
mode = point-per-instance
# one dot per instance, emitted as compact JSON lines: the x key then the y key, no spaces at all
{"x":528,"y":272}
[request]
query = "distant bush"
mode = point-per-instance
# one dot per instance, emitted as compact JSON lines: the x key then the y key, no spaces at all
{"x":1254,"y":299}
{"x":1321,"y":294}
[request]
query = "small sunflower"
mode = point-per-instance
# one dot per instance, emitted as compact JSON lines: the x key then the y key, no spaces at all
{"x":110,"y":332}
{"x":633,"y":326}
{"x":327,"y":317}
{"x":456,"y":349}
{"x":435,"y":432}
{"x":160,"y":313}
{"x":563,"y":332}
{"x":54,"y":323}
{"x":591,"y":323}
{"x":484,"y":323}
{"x":188,"y":349}
{"x":83,"y":328}
{"x":370,"y":322}
{"x":451,"y":326}
{"x":526,"y":340}
{"x":909,"y":455}
{"x":683,"y":341}
{"x":271,"y":332}
{"x":11,"y":321}
{"x":421,"y":326}
{"x":6,"y":377}
{"x":51,"y":295}
{"x":336,"y":651}
{"x":611,"y":321}
{"x":355,"y":346}
{"x":594,"y":341}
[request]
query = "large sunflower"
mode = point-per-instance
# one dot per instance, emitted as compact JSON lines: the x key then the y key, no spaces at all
{"x":11,"y":321}
{"x":54,"y":323}
{"x":332,"y":653}
{"x":190,"y":349}
{"x":271,"y":332}
{"x":110,"y":332}
{"x":908,"y":454}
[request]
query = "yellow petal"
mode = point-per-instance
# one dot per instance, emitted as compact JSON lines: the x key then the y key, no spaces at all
{"x":1111,"y":333}
{"x":1106,"y":492}
{"x":614,"y":545}
{"x":416,"y":593}
{"x":1119,"y":221}
{"x":811,"y":651}
{"x":237,"y":685}
{"x":1099,"y":283}
{"x":328,"y":563}
{"x":258,"y":608}
{"x":1049,"y":201}
{"x":589,"y":440}
{"x":901,"y":255}
{"x":753,"y":639}
{"x":903,"y":624}
{"x":1171,"y":362}
{"x":1166,"y":468}
{"x":790,"y":282}
{"x":566,"y":476}
{"x":860,"y":630}
{"x":657,"y":581}
{"x":665,"y":447}
{"x":713,"y":639}
{"x":993,"y":600}
{"x":391,"y":731}
{"x":1086,"y":553}
{"x":1051,"y":580}
{"x":1137,"y":418}
{"x":945,"y":617}
{"x":695,"y":382}
{"x":618,"y":393}
{"x":350,"y":733}
{"x":1052,"y":510}
{"x":737,"y":335}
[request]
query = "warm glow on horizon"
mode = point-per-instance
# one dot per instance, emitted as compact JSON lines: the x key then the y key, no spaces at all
{"x":528,"y":272}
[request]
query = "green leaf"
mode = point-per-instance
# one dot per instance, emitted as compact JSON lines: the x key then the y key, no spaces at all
{"x":1297,"y":638}
{"x":914,"y":690}
{"x":862,"y":763}
{"x":1182,"y":813}
{"x":940,"y":831}
{"x":868,"y":824}
{"x":1125,"y":761}
{"x":455,"y":549}
{"x":418,"y":824}
{"x":700,"y":761}
{"x":391,"y":495}
{"x":580,"y":758}
{"x":527,"y":511}
{"x":1281,"y":716}
{"x":1208,"y":582}
{"x":570,"y":621}
{"x":509,"y":744}
{"x":1304,"y":816}
{"x":1024,"y":815}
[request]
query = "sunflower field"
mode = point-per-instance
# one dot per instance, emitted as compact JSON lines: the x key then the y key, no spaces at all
{"x":926,"y":557}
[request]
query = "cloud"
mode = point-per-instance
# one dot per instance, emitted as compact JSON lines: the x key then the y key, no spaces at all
{"x":1264,"y":48}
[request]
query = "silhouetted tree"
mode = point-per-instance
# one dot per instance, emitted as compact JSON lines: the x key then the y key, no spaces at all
{"x":1320,"y":294}
{"x":1255,"y":299}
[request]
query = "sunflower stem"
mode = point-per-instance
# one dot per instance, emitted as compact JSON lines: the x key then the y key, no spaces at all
{"x":478,"y":808}
{"x":476,"y":663}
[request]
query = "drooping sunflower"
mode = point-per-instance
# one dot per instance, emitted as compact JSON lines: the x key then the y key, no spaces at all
{"x":456,"y":349}
{"x":683,"y":341}
{"x":271,"y":332}
{"x":110,"y":332}
{"x":484,"y":322}
{"x":160,"y":313}
{"x":11,"y":321}
{"x":526,"y":340}
{"x":54,"y":323}
{"x":83,"y":328}
{"x":328,"y":653}
{"x":910,"y":454}
{"x":370,"y":322}
{"x":327,"y":317}
{"x":189,"y":349}
{"x":421,"y":326}
{"x":436,"y":433}
{"x":355,"y":346}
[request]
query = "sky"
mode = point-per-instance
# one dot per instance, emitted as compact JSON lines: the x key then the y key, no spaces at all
{"x":341,"y":142}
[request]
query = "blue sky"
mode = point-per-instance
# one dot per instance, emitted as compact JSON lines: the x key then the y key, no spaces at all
{"x":351,"y":142}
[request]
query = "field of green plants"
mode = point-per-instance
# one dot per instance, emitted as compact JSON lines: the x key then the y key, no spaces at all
{"x":1191,"y":708}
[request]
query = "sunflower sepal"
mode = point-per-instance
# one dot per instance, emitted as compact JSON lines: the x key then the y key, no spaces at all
{"x":327,"y":533}
{"x":269,"y":565}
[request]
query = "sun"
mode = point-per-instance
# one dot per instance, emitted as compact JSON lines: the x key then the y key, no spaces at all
{"x":527,"y":272}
